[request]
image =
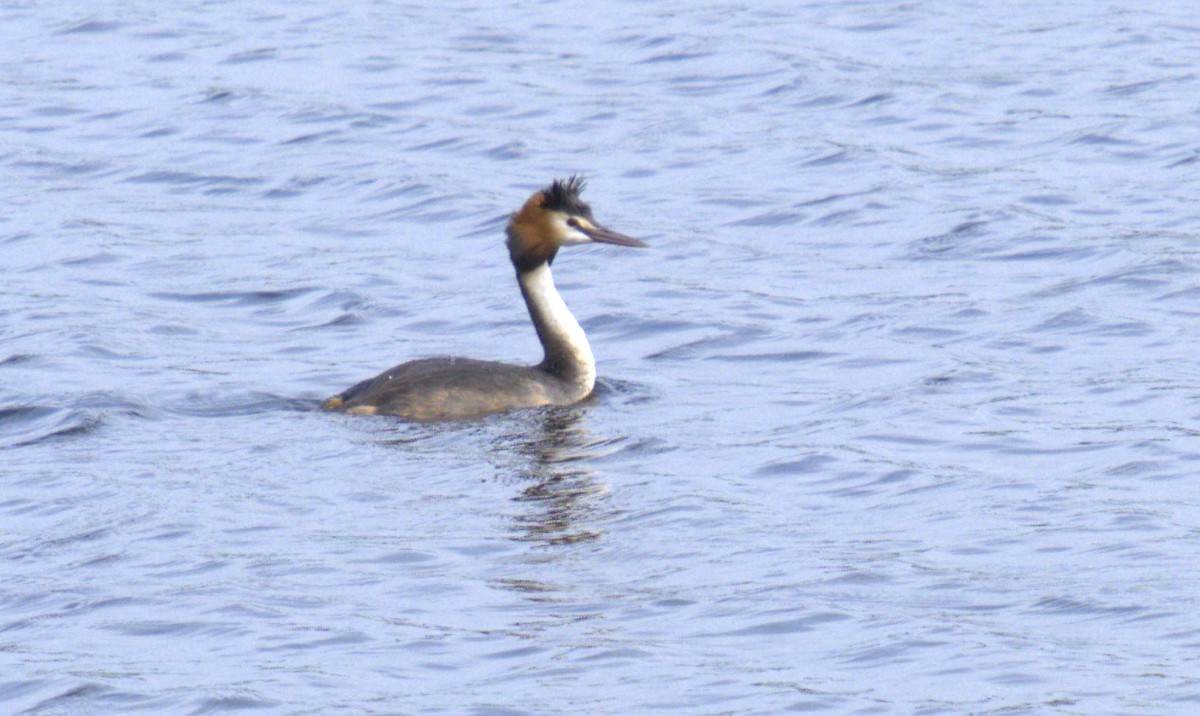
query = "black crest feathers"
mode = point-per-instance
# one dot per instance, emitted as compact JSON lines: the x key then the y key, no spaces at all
{"x":563,"y":195}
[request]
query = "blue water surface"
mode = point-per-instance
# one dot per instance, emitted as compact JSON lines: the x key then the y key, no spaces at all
{"x":899,"y":414}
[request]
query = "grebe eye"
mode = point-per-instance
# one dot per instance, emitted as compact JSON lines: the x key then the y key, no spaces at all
{"x":573,"y":223}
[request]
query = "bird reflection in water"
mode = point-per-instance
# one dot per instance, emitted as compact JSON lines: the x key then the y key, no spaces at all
{"x":542,"y":452}
{"x":564,"y":496}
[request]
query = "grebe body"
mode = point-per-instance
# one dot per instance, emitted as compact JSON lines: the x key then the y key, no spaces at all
{"x":464,"y":388}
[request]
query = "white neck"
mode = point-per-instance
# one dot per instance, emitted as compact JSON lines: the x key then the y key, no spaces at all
{"x":568,"y":354}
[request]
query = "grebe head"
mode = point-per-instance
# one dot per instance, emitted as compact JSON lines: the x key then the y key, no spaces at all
{"x":552,"y":218}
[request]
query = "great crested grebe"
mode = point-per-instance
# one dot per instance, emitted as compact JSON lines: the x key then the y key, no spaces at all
{"x":464,"y":388}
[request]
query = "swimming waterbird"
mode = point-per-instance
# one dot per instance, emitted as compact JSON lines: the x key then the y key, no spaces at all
{"x":464,"y":388}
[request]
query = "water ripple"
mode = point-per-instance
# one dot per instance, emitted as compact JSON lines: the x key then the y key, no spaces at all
{"x":27,"y":425}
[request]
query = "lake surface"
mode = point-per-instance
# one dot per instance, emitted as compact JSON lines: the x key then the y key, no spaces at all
{"x":899,"y":414}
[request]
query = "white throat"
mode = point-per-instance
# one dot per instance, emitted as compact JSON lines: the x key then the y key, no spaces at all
{"x":568,"y":354}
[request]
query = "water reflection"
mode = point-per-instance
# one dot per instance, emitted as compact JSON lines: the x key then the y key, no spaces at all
{"x":540,"y":452}
{"x":563,"y":496}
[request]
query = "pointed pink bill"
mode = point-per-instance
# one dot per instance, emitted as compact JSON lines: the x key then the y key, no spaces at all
{"x":602,"y":235}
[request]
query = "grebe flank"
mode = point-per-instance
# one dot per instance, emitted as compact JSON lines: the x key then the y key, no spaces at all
{"x":464,"y":388}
